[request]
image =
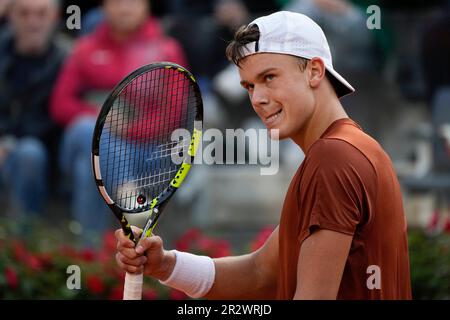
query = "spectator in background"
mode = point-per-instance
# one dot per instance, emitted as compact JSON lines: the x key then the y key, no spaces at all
{"x":3,"y":12}
{"x":128,"y":38}
{"x":345,"y":26}
{"x":435,"y":54}
{"x":192,"y":8}
{"x":91,"y":20}
{"x":229,"y":16}
{"x":29,"y":64}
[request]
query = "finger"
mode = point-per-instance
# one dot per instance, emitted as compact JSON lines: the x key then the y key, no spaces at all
{"x":136,"y":231}
{"x":128,"y":268}
{"x":123,"y":240}
{"x":149,"y":244}
{"x":130,"y":253}
{"x":136,"y":270}
{"x":137,"y":262}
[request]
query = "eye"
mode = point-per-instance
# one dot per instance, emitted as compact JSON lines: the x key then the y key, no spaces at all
{"x":269,"y":77}
{"x":249,"y":87}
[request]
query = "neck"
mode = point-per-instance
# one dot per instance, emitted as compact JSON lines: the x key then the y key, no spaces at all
{"x":120,"y":36}
{"x":323,"y":116}
{"x":123,"y":35}
{"x":25,"y":49}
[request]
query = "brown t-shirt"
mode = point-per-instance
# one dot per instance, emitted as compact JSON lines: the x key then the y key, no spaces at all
{"x":347,"y":184}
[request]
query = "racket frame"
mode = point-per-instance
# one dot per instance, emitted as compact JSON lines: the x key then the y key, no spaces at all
{"x":148,"y":218}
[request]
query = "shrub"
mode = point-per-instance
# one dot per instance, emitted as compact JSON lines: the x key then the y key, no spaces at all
{"x":37,"y":268}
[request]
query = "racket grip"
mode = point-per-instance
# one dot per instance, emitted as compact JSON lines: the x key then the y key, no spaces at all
{"x":133,"y":286}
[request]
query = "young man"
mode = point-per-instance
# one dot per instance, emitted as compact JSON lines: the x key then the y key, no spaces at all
{"x":342,"y":233}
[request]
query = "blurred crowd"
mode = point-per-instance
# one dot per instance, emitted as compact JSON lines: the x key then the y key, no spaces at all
{"x":54,"y":80}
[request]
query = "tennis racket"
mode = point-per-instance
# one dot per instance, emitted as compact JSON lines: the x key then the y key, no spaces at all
{"x":138,"y":162}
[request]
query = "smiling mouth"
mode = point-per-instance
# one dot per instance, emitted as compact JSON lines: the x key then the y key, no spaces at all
{"x":273,"y":117}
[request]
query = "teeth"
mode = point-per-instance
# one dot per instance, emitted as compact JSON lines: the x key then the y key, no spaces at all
{"x":272,"y":118}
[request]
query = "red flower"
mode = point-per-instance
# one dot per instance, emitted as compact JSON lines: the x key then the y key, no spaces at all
{"x":206,"y":244}
{"x":447,"y":225}
{"x":34,"y":263}
{"x":95,"y":284}
{"x":177,"y":295}
{"x":261,"y":238}
{"x":109,"y":242}
{"x":194,"y":241}
{"x":105,"y":257}
{"x":149,"y":294}
{"x":20,"y":252}
{"x":11,"y":277}
{"x":46,"y":259}
{"x":116,"y":293}
{"x":87,"y":255}
{"x":68,"y":251}
{"x":222,"y":249}
{"x":186,"y":240}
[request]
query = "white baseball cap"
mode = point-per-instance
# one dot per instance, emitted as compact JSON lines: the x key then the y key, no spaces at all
{"x":298,"y":35}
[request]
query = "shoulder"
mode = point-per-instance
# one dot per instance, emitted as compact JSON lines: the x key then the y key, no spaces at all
{"x":336,"y":152}
{"x":338,"y":162}
{"x":87,"y":43}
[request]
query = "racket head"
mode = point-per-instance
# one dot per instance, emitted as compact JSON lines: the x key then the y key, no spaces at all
{"x":133,"y":149}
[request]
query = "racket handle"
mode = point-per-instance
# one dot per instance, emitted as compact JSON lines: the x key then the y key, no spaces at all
{"x":133,"y":286}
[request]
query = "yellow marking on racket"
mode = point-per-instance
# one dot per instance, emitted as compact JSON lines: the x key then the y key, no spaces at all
{"x":149,"y":232}
{"x":181,"y":175}
{"x":195,"y":141}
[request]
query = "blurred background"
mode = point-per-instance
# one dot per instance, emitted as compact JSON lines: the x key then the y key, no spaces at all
{"x":57,"y":67}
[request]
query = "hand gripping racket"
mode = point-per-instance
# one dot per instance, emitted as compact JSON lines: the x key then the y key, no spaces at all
{"x":144,"y":143}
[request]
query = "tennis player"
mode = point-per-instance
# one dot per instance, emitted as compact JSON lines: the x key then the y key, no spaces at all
{"x":342,"y":233}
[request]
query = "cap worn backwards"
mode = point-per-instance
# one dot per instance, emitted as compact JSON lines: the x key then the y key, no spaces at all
{"x":295,"y":34}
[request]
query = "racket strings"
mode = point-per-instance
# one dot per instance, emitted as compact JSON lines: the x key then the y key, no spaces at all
{"x":170,"y":149}
{"x":136,"y":150}
{"x":146,"y":181}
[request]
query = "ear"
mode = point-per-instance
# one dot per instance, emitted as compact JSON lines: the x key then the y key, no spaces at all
{"x":317,"y":72}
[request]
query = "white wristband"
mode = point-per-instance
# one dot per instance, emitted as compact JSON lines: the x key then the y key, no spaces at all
{"x":192,"y":274}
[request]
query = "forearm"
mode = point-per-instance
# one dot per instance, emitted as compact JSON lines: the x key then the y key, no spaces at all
{"x":241,"y":277}
{"x":66,"y":103}
{"x":66,"y":108}
{"x":249,"y":276}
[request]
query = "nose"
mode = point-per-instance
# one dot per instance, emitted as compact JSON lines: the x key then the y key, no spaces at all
{"x":259,"y":97}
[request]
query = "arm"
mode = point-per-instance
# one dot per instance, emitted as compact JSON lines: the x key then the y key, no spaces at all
{"x":66,"y":103}
{"x":321,"y":264}
{"x":260,"y":267}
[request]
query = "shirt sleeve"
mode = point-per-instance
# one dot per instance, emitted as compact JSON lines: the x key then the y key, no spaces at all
{"x":333,"y":191}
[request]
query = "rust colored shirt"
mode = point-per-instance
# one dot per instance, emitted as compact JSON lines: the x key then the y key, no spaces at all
{"x":347,"y":184}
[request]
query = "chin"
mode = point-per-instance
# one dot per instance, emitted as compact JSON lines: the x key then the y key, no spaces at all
{"x":277,"y":134}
